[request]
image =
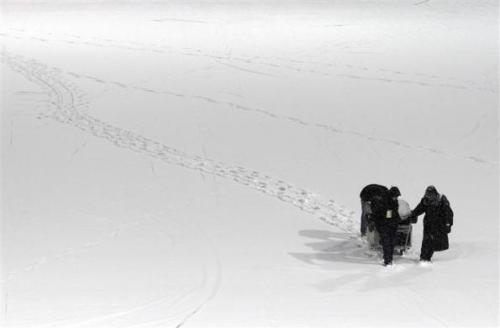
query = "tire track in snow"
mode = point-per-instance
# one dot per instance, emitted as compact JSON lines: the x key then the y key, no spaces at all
{"x":418,"y":302}
{"x":209,"y":286}
{"x":178,"y":308}
{"x":183,"y":306}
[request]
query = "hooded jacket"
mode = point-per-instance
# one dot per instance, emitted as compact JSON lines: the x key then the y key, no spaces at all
{"x":438,"y":220}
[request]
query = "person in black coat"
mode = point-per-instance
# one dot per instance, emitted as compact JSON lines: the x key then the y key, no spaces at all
{"x":438,"y":220}
{"x":386,"y":218}
{"x":367,"y":195}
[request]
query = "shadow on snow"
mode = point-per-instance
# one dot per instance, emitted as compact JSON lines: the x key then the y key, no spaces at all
{"x":351,"y":262}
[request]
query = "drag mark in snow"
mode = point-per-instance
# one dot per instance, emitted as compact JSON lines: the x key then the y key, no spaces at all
{"x":11,"y":136}
{"x":66,"y":112}
{"x":178,"y":20}
{"x":420,"y":303}
{"x":244,"y":69}
{"x":79,"y":148}
{"x":6,"y":306}
{"x":421,"y":2}
{"x":405,"y":81}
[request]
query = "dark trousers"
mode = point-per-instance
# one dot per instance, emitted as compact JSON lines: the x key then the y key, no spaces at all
{"x":427,"y":249}
{"x":365,"y":211}
{"x":387,"y":240}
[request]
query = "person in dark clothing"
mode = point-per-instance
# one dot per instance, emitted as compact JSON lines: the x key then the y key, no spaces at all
{"x":367,"y":194}
{"x":386,"y":218}
{"x":438,"y":220}
{"x":394,"y":193}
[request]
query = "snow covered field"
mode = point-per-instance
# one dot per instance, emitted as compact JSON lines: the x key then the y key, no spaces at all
{"x":198,"y":164}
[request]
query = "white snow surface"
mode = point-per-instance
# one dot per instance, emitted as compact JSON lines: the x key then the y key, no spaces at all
{"x":198,"y":164}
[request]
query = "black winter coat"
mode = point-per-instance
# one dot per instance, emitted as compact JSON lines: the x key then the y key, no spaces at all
{"x":438,"y":220}
{"x":372,"y":190}
{"x":385,"y":214}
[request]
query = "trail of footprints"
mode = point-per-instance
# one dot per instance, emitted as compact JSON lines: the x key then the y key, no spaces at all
{"x":66,"y":111}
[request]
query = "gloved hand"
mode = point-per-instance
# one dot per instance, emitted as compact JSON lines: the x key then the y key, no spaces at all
{"x":412,"y":218}
{"x":448,"y":228}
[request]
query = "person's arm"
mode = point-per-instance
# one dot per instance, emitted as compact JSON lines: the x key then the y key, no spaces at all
{"x":419,"y":210}
{"x":448,"y":214}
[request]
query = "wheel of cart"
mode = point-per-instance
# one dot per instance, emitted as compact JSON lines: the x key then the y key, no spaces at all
{"x":403,"y":239}
{"x":402,"y":242}
{"x":403,"y":235}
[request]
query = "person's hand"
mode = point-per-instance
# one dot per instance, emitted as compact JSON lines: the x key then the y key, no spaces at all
{"x":448,"y":228}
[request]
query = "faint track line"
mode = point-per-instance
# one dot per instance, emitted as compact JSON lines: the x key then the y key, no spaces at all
{"x":264,"y":61}
{"x":140,"y":46}
{"x":270,"y":114}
